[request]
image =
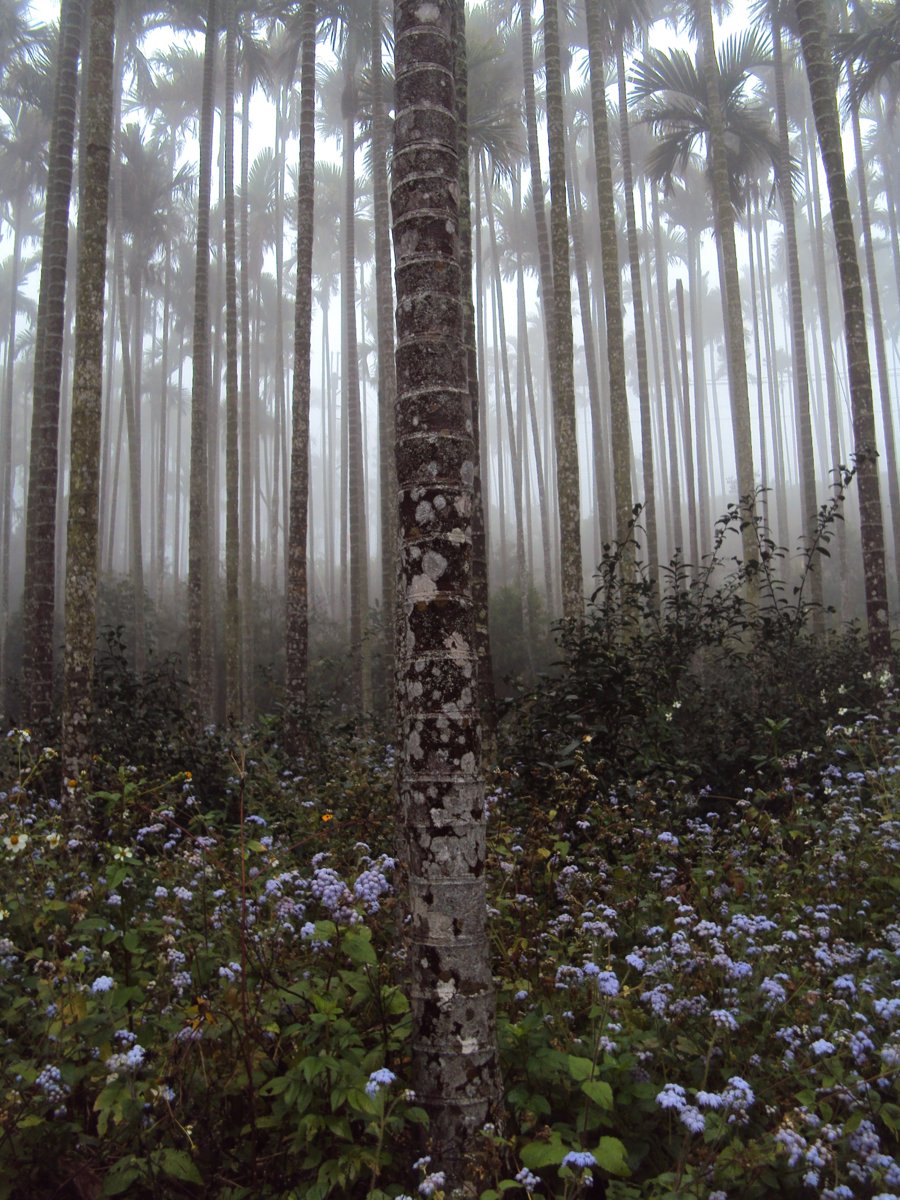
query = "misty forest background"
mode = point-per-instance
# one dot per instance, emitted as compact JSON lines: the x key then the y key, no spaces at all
{"x":678,"y":436}
{"x":449,"y":546}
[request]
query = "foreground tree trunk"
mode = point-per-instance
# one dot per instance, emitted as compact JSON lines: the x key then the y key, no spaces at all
{"x":40,"y":525}
{"x":87,"y":388}
{"x":823,"y":90}
{"x":454,"y":1054}
{"x":296,"y":643}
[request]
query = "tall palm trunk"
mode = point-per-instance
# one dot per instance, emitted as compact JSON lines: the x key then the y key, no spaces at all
{"x":245,"y":582}
{"x":6,"y":432}
{"x":686,"y":437}
{"x":474,"y":351}
{"x":564,"y":375}
{"x":822,"y":85}
{"x":545,"y":261}
{"x":881,"y":367}
{"x":543,"y":507}
{"x":233,"y":679}
{"x":297,"y":597}
{"x":40,"y":520}
{"x":198,"y":522}
{"x":648,"y":515}
{"x":514,"y":454}
{"x":455,"y":1066}
{"x":808,"y":503}
{"x":612,"y":289}
{"x":387,"y":379}
{"x":87,"y":388}
{"x":599,"y":443}
{"x":723,"y":213}
{"x":360,"y":650}
{"x":665,"y":350}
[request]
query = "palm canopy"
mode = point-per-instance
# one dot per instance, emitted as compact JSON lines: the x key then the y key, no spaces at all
{"x":494,"y":94}
{"x":871,"y":50}
{"x":670,"y":96}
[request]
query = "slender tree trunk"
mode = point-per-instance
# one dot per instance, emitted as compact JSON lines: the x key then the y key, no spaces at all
{"x":648,"y":516}
{"x":6,"y":476}
{"x":723,"y":213}
{"x":546,"y":540}
{"x":563,"y":377}
{"x":686,"y":431}
{"x":360,"y":651}
{"x":87,"y":388}
{"x":662,"y":299}
{"x":198,"y":524}
{"x":297,"y":599}
{"x":387,"y":380}
{"x":245,"y":537}
{"x":877,"y":326}
{"x":822,"y":84}
{"x":454,"y":1054}
{"x":599,"y":444}
{"x":233,"y":677}
{"x":40,"y":521}
{"x":612,"y":289}
{"x":808,"y":502}
{"x":474,"y":350}
{"x":545,"y":261}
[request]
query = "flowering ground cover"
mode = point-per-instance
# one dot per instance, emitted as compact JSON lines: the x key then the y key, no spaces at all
{"x":201,"y":994}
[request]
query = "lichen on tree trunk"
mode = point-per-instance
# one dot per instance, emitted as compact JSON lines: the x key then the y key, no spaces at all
{"x":455,"y":1070}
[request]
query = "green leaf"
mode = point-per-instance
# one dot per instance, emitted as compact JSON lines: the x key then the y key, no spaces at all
{"x":120,"y":1178}
{"x":543,"y":1154}
{"x":598,"y":1091}
{"x":580,"y":1068}
{"x":180,"y":1165}
{"x":612,"y":1157}
{"x":357,"y":945}
{"x":275,"y":1086}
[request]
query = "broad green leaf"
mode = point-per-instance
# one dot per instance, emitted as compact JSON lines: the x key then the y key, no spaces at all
{"x":580,"y":1068}
{"x":180,"y":1165}
{"x":357,"y":945}
{"x":543,"y":1154}
{"x":598,"y":1091}
{"x":611,"y":1156}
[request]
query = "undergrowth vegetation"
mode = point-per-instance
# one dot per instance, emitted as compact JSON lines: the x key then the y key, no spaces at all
{"x":693,"y":886}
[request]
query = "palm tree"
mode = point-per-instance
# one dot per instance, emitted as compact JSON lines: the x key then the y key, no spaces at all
{"x":488,"y":124}
{"x":812,"y":27}
{"x":877,"y":323}
{"x":455,"y":1071}
{"x":545,"y":262}
{"x":87,"y":386}
{"x":23,"y":171}
{"x":297,"y":591}
{"x":630,"y":16}
{"x":689,"y":107}
{"x":563,"y":378}
{"x":233,"y":672}
{"x":387,"y":380}
{"x":351,"y":41}
{"x":198,"y":529}
{"x":871,"y":50}
{"x":40,"y":537}
{"x":798,"y":341}
{"x":599,"y":36}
